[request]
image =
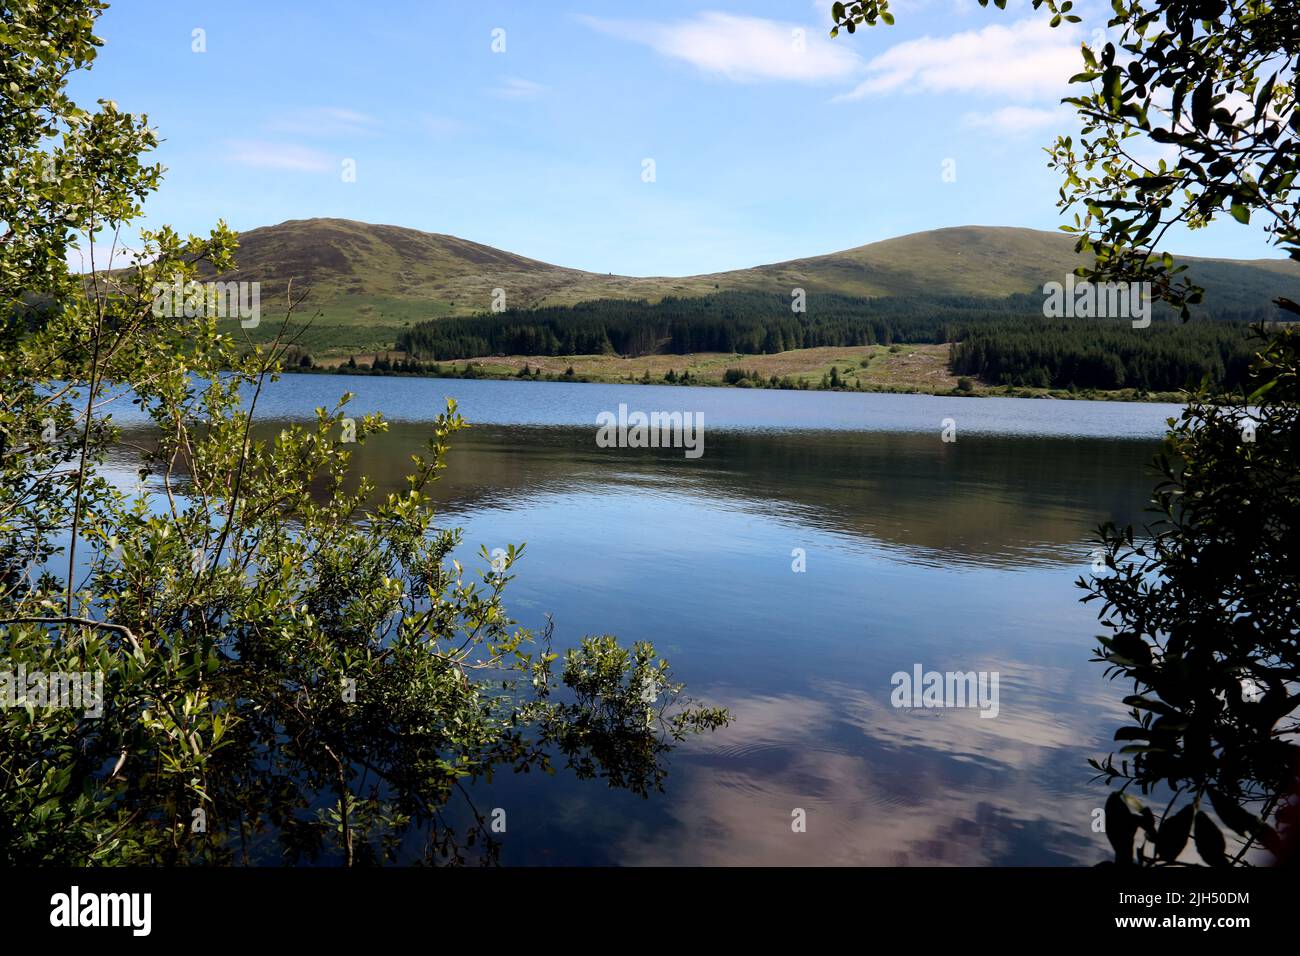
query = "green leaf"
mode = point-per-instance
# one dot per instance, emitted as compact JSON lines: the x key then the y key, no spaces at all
{"x":1146,"y":703}
{"x":1132,"y":733}
{"x":1262,"y":390}
{"x":1202,"y":100}
{"x":1209,"y":841}
{"x":1173,"y":833}
{"x":1121,"y":826}
{"x":1236,"y":817}
{"x":1112,"y":84}
{"x":1265,"y":94}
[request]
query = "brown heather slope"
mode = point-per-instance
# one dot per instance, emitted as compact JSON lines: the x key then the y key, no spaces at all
{"x":371,"y":275}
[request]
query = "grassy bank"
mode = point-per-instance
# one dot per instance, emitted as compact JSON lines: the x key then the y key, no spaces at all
{"x":914,"y":369}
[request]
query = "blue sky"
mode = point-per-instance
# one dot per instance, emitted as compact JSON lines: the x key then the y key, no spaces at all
{"x":761,"y":151}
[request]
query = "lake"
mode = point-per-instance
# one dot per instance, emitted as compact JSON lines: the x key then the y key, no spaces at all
{"x":951,"y":555}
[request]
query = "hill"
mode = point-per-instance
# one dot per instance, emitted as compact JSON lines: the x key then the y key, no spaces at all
{"x":370,"y":281}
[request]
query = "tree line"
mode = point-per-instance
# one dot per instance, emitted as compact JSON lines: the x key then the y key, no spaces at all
{"x":1003,"y":341}
{"x":1104,"y":354}
{"x":746,"y":322}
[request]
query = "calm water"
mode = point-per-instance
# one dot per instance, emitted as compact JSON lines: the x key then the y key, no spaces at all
{"x":955,"y":556}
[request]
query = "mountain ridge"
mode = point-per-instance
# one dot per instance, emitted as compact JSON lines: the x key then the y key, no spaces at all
{"x":377,"y":278}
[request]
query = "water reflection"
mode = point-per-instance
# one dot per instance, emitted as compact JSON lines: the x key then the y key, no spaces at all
{"x":986,"y":499}
{"x":957,"y":556}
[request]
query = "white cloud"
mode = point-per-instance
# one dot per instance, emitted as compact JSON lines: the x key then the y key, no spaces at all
{"x":742,"y":49}
{"x":1015,"y":119}
{"x":513,"y":88}
{"x":1026,"y":60}
{"x":326,"y":121}
{"x":439,"y":125}
{"x":905,"y":9}
{"x":261,"y":154}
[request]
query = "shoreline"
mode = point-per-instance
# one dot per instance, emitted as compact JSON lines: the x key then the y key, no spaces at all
{"x":480,"y":369}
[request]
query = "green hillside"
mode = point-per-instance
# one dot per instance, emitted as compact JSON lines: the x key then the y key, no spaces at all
{"x":368,"y":282}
